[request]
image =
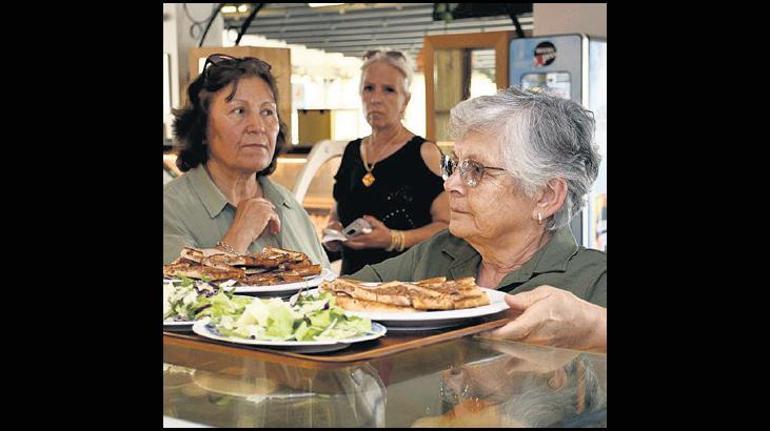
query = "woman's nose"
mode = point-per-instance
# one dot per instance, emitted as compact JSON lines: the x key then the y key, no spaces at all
{"x":375,"y":96}
{"x":454,"y":183}
{"x":256,"y":123}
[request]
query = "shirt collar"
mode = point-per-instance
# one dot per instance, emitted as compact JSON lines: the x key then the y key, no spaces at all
{"x":212,"y":198}
{"x":553,"y":257}
{"x":272,"y":193}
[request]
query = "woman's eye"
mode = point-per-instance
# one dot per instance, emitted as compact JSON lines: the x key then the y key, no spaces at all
{"x":390,"y":90}
{"x":239,"y":111}
{"x":367,"y":88}
{"x":268,"y":112}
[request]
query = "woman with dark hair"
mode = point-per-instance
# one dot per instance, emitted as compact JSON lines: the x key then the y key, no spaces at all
{"x":231,"y":135}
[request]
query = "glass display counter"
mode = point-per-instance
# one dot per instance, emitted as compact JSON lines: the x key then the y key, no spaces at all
{"x":470,"y":381}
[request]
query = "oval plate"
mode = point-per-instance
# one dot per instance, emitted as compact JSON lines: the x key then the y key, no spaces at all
{"x":429,"y":320}
{"x":204,"y":330}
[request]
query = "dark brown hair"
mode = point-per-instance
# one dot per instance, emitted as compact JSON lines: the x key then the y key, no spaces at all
{"x":191,"y":122}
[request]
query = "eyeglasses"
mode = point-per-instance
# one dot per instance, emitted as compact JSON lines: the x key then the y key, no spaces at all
{"x":394,"y":54}
{"x":471,"y":171}
{"x":224,"y":59}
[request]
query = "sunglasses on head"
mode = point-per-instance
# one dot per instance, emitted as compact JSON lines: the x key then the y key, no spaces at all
{"x":471,"y":171}
{"x":227,"y":60}
{"x":395,"y":54}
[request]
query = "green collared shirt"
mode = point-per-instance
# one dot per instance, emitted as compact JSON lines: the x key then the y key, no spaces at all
{"x":197,"y":214}
{"x":560,"y":263}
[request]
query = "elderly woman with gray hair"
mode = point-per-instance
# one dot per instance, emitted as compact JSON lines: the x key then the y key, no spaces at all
{"x":521,"y":167}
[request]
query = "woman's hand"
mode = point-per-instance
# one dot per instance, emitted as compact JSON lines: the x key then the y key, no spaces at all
{"x":252,"y":217}
{"x":555,"y":317}
{"x":379,"y":237}
{"x":335,"y":225}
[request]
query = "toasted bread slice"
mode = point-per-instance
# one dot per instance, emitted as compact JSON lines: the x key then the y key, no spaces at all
{"x":200,"y":272}
{"x":283,"y":254}
{"x":307,"y":271}
{"x":229,"y":260}
{"x":393,"y":293}
{"x":427,"y":303}
{"x":477,"y":301}
{"x":354,"y":304}
{"x":431,"y":282}
{"x":191,"y":254}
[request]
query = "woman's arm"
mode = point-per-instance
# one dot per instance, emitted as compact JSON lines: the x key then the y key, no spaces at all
{"x":439,"y":212}
{"x":380,"y":237}
{"x":439,"y":209}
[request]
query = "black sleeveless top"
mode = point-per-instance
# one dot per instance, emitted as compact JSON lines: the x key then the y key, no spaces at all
{"x":400,"y":197}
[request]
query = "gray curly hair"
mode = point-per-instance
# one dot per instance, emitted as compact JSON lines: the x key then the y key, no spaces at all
{"x":542,"y":137}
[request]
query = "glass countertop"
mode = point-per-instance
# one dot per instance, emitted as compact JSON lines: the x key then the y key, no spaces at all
{"x":466,"y":382}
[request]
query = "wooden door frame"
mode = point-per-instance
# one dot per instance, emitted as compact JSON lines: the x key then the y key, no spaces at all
{"x":499,"y":40}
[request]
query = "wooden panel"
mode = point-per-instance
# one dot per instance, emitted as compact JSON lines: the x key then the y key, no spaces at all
{"x":279,"y":60}
{"x":498,"y":40}
{"x":314,"y":125}
{"x":451,"y":74}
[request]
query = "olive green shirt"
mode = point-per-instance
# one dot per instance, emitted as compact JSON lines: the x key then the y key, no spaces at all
{"x":560,"y":263}
{"x":197,"y":214}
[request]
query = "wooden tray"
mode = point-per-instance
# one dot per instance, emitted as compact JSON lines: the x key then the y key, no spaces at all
{"x":392,"y":342}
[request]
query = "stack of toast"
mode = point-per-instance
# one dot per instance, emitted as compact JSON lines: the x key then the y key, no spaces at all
{"x":270,"y":266}
{"x":397,"y":296}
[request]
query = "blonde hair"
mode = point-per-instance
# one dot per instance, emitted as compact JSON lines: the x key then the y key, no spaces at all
{"x":397,"y":59}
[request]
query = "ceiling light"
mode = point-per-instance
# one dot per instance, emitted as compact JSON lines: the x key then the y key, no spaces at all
{"x":323,"y":4}
{"x":229,"y":9}
{"x":243,"y":8}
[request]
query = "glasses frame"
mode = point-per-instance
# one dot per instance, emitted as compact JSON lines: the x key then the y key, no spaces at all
{"x":217,"y":59}
{"x":449,"y":164}
{"x":395,"y":54}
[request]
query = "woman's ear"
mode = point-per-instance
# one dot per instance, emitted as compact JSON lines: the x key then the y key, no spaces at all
{"x":550,"y":199}
{"x":406,"y":103}
{"x":558,"y":379}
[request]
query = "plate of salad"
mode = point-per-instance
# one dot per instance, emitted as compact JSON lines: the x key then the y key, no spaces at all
{"x":308,"y":324}
{"x":187,"y":301}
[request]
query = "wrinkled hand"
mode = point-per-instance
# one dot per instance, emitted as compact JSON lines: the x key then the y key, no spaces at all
{"x":252,"y":217}
{"x":554,"y":317}
{"x":379,"y":237}
{"x":333,"y":245}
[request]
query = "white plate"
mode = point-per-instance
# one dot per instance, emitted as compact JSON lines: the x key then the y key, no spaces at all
{"x":427,"y":320}
{"x":185,"y":325}
{"x":378,"y":331}
{"x":171,"y":325}
{"x":286,"y":289}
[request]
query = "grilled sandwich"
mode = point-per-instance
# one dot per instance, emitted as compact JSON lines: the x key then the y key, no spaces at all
{"x":271,"y":266}
{"x":395,"y":296}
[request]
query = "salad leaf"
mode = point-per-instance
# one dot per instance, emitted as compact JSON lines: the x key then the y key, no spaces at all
{"x":312,"y":317}
{"x":195,"y":301}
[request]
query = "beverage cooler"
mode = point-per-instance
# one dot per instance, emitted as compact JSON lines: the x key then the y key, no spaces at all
{"x":573,"y":66}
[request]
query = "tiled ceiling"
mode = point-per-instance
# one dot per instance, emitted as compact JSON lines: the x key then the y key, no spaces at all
{"x":354,"y":28}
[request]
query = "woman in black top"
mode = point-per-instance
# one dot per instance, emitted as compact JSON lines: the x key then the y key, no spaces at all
{"x":390,"y":178}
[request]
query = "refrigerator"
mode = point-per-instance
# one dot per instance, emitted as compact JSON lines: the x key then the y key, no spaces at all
{"x":573,"y":66}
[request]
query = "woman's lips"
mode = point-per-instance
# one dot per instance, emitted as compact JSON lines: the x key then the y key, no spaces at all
{"x":255,"y":146}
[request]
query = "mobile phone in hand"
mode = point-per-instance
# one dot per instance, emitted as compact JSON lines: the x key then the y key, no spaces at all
{"x":357,"y":227}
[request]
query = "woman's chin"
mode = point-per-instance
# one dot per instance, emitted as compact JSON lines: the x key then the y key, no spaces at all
{"x":256,"y":164}
{"x":459,"y":229}
{"x":252,"y":168}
